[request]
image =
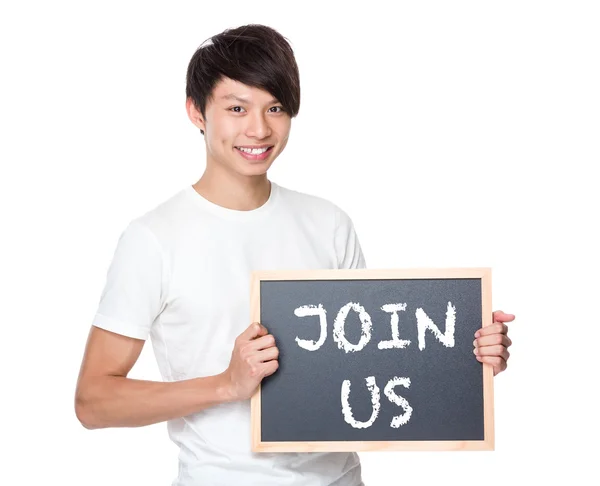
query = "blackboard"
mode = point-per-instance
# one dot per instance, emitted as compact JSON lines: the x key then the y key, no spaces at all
{"x":374,"y":360}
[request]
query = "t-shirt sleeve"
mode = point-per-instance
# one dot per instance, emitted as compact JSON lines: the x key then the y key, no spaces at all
{"x":133,"y":294}
{"x":347,"y":246}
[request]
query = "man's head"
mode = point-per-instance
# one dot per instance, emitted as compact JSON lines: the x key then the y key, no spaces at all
{"x":242,"y":90}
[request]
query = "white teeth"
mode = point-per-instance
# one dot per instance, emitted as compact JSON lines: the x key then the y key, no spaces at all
{"x":253,"y":151}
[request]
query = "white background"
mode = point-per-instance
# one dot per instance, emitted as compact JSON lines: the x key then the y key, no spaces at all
{"x":453,"y":133}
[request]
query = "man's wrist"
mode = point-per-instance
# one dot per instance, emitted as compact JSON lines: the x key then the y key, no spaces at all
{"x":224,"y":391}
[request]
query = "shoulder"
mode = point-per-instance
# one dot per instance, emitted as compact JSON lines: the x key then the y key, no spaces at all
{"x":332,"y":222}
{"x":312,"y":206}
{"x":163,"y":219}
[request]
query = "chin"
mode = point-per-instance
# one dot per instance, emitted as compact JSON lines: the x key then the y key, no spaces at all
{"x":253,"y":169}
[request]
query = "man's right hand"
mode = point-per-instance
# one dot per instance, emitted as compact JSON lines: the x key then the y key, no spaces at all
{"x":254,"y":356}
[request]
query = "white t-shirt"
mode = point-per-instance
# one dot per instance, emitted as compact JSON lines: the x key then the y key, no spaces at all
{"x":180,"y":274}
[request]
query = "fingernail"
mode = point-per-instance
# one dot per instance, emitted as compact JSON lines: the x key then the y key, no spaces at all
{"x":477,"y":334}
{"x":476,"y":350}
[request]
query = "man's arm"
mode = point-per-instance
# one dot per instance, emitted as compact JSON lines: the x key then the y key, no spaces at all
{"x":105,"y":397}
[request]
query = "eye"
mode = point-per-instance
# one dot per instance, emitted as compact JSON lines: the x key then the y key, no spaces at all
{"x":280,"y":109}
{"x":234,"y":107}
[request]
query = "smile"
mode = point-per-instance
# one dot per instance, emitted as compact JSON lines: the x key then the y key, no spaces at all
{"x":254,"y":151}
{"x":254,"y":154}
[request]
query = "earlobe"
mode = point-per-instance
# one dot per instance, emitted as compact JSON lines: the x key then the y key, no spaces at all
{"x":194,"y":115}
{"x":200,"y":124}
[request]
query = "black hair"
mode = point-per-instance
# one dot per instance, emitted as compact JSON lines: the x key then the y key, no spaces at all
{"x":253,"y":54}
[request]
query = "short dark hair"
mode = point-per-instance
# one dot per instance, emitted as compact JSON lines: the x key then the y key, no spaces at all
{"x":253,"y":54}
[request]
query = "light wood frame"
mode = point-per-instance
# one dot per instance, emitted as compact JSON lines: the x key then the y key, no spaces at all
{"x":366,"y":274}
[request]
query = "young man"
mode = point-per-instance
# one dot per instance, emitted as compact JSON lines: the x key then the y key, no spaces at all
{"x":181,"y":274}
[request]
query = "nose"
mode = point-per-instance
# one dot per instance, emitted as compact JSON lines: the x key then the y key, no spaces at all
{"x":258,"y":126}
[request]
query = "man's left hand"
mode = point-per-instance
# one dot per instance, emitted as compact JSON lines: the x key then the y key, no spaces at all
{"x":492,"y":342}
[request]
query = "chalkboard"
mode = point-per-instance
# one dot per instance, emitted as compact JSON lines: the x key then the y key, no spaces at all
{"x":374,"y":360}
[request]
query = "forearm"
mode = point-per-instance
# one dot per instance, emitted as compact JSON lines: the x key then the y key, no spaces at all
{"x":115,"y":401}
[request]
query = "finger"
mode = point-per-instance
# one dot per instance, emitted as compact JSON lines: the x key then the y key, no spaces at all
{"x":493,"y":360}
{"x":270,"y":367}
{"x":492,"y":339}
{"x":263,"y":342}
{"x":495,"y":328}
{"x":499,"y":316}
{"x":254,"y":330}
{"x":497,"y":362}
{"x":267,"y":355}
{"x":497,"y":350}
{"x":253,"y":358}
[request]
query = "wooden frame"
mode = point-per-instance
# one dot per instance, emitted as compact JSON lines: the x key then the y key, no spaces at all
{"x":356,"y":274}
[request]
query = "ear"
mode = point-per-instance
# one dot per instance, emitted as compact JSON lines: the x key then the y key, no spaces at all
{"x":194,"y":114}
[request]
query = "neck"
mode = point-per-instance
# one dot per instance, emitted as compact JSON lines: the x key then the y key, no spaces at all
{"x":233,"y":191}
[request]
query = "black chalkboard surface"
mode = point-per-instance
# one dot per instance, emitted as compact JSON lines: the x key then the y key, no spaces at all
{"x":374,"y":360}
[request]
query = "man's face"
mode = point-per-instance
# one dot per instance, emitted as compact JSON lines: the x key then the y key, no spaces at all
{"x":241,"y":117}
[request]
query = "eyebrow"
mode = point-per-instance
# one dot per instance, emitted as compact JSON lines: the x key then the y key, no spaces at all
{"x":237,"y":98}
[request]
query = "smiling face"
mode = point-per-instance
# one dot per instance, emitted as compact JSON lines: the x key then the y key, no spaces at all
{"x":241,"y":122}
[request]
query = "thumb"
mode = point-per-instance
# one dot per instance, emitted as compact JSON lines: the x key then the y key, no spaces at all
{"x":500,"y":316}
